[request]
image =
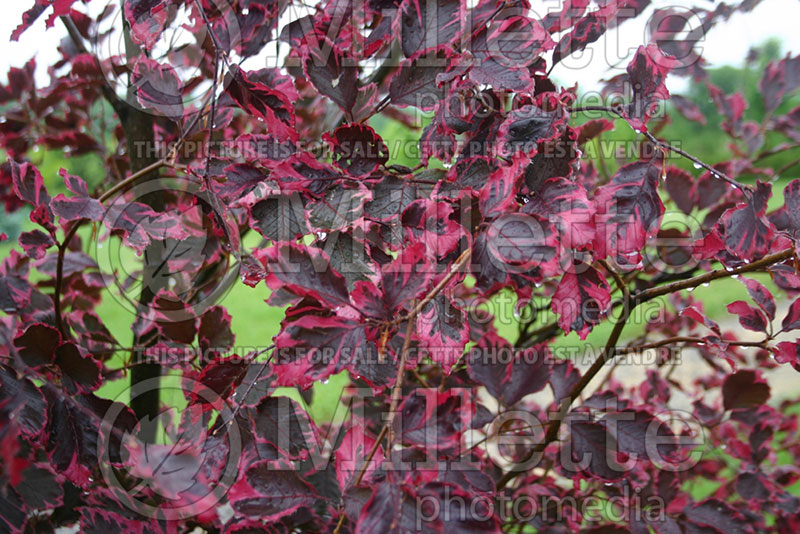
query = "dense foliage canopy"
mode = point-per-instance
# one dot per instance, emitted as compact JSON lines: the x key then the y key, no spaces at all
{"x":388,"y":274}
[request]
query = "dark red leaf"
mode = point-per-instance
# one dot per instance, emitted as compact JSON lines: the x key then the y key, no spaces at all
{"x":424,"y":25}
{"x":414,"y":84}
{"x":357,"y":149}
{"x":35,"y":243}
{"x":792,"y":319}
{"x":749,"y":317}
{"x":333,"y":74}
{"x":81,"y":373}
{"x":37,"y":346}
{"x":761,"y":296}
{"x":270,"y":491}
{"x":719,"y":516}
{"x":744,"y":389}
{"x":72,"y":209}
{"x":158,"y":88}
{"x":581,"y":299}
{"x":147,"y":19}
{"x":748,"y":234}
{"x":647,"y":73}
{"x":261,"y":101}
{"x":688,"y":109}
{"x":590,"y":450}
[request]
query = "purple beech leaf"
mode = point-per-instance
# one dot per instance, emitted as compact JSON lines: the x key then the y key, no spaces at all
{"x":629,"y":211}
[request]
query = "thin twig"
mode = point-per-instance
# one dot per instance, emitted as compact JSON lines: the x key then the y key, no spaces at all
{"x":460,"y":262}
{"x":666,"y":146}
{"x":654,"y":292}
{"x":686,"y":339}
{"x":70,"y":233}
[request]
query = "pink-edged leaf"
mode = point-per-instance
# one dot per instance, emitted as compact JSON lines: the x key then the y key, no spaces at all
{"x":521,"y":242}
{"x":508,"y":375}
{"x":215,"y":332}
{"x":696,"y":315}
{"x":269,"y":491}
{"x":753,"y":487}
{"x":586,"y":31}
{"x":311,"y":348}
{"x":75,"y":184}
{"x":490,"y":67}
{"x":75,"y":208}
{"x":280,"y":217}
{"x":20,"y":398}
{"x":351,"y":455}
{"x":405,"y":278}
{"x":566,"y":204}
{"x":792,"y":319}
{"x":357,"y":149}
{"x":591,"y":448}
{"x":422,"y":28}
{"x":564,"y":377}
{"x":556,"y":21}
{"x":790,"y":219}
{"x":305,"y":272}
{"x":29,"y":17}
{"x":433,"y":223}
{"x":158,"y":88}
{"x":718,"y":516}
{"x":147,"y":19}
{"x":498,"y":194}
{"x":29,"y":186}
{"x":140,"y":225}
{"x":526,"y":127}
{"x":679,"y":184}
{"x":414,"y":84}
{"x":744,"y":389}
{"x":392,"y":510}
{"x":647,"y":74}
{"x":37,"y":345}
{"x":101,"y":519}
{"x":80,"y":372}
{"x":629,"y":211}
{"x":581,"y":299}
{"x":433,"y":420}
{"x":35,"y":243}
{"x":261,"y":101}
{"x":760,"y":295}
{"x":222,"y":376}
{"x":340,"y":208}
{"x":443,"y":331}
{"x":41,"y":488}
{"x":593,"y":128}
{"x":634,"y":428}
{"x":518,"y":41}
{"x":747,"y":232}
{"x":237,"y":180}
{"x":333,"y":74}
{"x":749,"y":317}
{"x":787,"y":352}
{"x":73,"y":433}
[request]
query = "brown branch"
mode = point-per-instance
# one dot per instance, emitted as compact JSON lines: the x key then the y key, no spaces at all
{"x":766,"y":261}
{"x":686,"y":339}
{"x":397,"y":388}
{"x":610,"y":349}
{"x":551,"y":434}
{"x":70,"y":233}
{"x":621,"y":285}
